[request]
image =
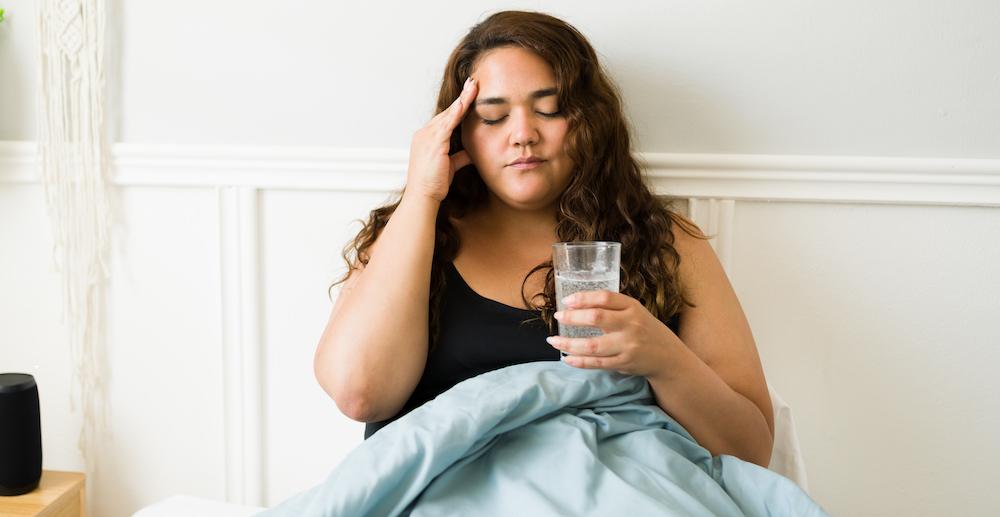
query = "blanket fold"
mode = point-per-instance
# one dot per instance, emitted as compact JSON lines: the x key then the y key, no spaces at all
{"x":544,"y":439}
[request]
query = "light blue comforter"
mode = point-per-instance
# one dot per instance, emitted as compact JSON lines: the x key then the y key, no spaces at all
{"x":544,"y":439}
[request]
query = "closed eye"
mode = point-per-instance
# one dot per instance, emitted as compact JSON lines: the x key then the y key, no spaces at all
{"x":490,"y":122}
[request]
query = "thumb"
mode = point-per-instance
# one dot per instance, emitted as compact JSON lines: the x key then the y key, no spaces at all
{"x":459,"y":160}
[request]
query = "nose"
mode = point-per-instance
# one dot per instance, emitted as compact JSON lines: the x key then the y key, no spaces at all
{"x":524,"y":131}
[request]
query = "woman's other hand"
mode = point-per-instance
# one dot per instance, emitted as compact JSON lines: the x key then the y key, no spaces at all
{"x":634,"y":341}
{"x":431,"y":169}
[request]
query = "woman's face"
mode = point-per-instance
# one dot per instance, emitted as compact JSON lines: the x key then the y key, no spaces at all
{"x":516,"y":116}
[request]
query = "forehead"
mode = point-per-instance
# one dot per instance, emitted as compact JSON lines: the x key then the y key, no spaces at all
{"x":511,"y":72}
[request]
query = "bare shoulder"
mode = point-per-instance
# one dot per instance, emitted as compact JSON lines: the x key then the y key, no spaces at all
{"x":716,"y":313}
{"x":716,"y":329}
{"x":697,"y":257}
{"x":688,"y":236}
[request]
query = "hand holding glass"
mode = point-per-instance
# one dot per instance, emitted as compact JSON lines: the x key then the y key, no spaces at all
{"x":584,"y":266}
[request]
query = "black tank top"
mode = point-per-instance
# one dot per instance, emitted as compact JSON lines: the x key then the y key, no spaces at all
{"x":476,"y":335}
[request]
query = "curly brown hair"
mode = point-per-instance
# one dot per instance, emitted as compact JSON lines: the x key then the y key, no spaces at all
{"x":606,"y":199}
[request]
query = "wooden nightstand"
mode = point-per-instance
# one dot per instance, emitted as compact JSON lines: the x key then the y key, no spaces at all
{"x":59,"y":494}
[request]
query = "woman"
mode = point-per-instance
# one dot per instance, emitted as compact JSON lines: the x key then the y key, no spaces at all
{"x":530,"y":147}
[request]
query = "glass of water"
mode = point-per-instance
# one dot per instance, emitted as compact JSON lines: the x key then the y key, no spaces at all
{"x":584,"y":266}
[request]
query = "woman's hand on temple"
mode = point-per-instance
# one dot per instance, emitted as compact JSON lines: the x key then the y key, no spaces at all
{"x":431,"y":169}
{"x":634,"y":341}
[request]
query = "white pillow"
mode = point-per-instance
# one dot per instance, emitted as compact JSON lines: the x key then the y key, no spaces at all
{"x":786,"y":457}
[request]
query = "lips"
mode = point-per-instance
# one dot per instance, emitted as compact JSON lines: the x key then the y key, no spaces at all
{"x":527,"y":160}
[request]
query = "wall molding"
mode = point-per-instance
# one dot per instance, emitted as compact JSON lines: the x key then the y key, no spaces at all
{"x":789,"y":178}
{"x":242,"y":368}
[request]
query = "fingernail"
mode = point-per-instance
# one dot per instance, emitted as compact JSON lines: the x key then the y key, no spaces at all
{"x":467,"y":82}
{"x":568,"y":300}
{"x":558,"y":315}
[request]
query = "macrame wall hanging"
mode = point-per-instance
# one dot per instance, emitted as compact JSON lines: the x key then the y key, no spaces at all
{"x":72,"y":144}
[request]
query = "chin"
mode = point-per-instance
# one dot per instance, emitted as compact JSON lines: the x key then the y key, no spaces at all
{"x":527,"y":202}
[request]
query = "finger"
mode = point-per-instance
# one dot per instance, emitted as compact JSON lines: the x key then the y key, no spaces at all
{"x":459,"y":160}
{"x":606,"y":299}
{"x":448,"y":112}
{"x":589,"y":362}
{"x":461,"y":105}
{"x":445,"y":114}
{"x":597,"y":346}
{"x":601,"y":318}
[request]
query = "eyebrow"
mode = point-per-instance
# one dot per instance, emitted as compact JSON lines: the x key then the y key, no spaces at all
{"x":503,"y":100}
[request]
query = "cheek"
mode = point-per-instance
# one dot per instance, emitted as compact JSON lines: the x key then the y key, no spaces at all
{"x":557,"y":134}
{"x":560,"y":140}
{"x":472,"y":138}
{"x":481,"y":142}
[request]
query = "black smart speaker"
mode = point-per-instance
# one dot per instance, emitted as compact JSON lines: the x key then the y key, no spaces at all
{"x":20,"y":434}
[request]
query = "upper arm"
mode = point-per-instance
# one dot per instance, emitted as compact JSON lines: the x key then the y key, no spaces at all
{"x":319,"y":364}
{"x":357,"y":269}
{"x":346,"y":287}
{"x":717,"y":330}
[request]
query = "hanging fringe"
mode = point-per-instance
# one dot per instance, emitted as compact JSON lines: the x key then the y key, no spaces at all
{"x":74,"y":167}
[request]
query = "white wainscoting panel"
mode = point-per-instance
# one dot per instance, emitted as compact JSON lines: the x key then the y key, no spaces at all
{"x":165,"y":355}
{"x":32,"y":331}
{"x":302,"y":234}
{"x":877,"y":324}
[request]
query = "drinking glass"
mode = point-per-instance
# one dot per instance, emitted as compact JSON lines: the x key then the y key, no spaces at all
{"x":584,"y":266}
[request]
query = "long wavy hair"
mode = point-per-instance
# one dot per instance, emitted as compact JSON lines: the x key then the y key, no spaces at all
{"x":606,"y":198}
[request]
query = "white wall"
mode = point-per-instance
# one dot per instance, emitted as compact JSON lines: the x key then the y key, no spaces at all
{"x":887,"y":78}
{"x":18,"y":70}
{"x":874,"y":320}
